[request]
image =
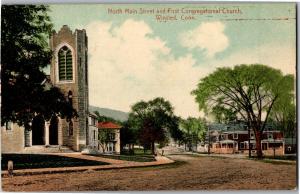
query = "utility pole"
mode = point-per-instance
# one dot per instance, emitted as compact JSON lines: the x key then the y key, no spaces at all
{"x":273,"y":147}
{"x":249,"y":141}
{"x":208,"y":139}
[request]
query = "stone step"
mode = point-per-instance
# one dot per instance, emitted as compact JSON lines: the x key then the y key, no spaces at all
{"x":48,"y":149}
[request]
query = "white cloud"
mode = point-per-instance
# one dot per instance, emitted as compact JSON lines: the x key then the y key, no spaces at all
{"x":126,"y":65}
{"x":281,"y":57}
{"x":208,"y":36}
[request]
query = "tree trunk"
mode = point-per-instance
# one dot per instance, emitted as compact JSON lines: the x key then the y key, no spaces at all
{"x":258,"y":136}
{"x":132,"y":148}
{"x":152,"y":148}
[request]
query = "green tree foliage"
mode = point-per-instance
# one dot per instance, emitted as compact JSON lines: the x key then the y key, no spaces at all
{"x":252,"y":91}
{"x":194,"y":131}
{"x":102,"y":118}
{"x":152,"y":120}
{"x":103,"y":138}
{"x":175,"y":132}
{"x":128,"y":136}
{"x":223,"y":115}
{"x":284,"y":115}
{"x":24,"y":52}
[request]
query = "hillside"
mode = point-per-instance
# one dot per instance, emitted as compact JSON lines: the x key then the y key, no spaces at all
{"x":115,"y":114}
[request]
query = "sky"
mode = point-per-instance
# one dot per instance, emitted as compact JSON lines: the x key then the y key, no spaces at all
{"x":134,"y":57}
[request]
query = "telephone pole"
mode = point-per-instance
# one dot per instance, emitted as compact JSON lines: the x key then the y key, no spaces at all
{"x":208,"y":139}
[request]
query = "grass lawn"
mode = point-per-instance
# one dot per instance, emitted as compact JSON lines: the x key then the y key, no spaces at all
{"x":288,"y":157}
{"x":135,"y":158}
{"x":29,"y":161}
{"x":140,"y":151}
{"x":139,"y":155}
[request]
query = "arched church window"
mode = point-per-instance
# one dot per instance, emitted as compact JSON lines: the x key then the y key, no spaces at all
{"x":65,"y":69}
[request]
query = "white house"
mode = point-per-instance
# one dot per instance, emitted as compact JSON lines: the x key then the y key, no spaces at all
{"x":93,"y":131}
{"x":111,"y":131}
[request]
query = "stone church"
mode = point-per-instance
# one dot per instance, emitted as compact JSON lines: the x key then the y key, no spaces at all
{"x":69,"y":72}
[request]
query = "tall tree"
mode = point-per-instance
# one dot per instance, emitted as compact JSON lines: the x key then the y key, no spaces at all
{"x":194,"y":131}
{"x":175,"y":132}
{"x":24,"y":53}
{"x":223,"y":115}
{"x":152,"y":119}
{"x":252,"y":91}
{"x":128,"y":136}
{"x":284,"y":116}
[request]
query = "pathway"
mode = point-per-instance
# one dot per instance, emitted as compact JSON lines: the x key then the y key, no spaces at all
{"x":113,"y":164}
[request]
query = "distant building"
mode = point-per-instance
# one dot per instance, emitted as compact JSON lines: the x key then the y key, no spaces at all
{"x":93,"y":131}
{"x":290,"y":145}
{"x":112,"y":140}
{"x":234,"y":138}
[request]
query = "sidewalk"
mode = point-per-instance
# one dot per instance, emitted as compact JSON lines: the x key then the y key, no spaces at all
{"x":171,"y":150}
{"x":238,"y":156}
{"x":113,"y":164}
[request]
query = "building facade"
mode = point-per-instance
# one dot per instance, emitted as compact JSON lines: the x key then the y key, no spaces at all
{"x":109,"y":137}
{"x":235,"y":139}
{"x":68,"y":72}
{"x":93,"y":132}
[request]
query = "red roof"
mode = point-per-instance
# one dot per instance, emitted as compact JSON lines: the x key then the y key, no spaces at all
{"x":108,"y":125}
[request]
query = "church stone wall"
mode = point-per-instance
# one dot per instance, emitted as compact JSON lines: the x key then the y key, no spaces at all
{"x":12,"y":141}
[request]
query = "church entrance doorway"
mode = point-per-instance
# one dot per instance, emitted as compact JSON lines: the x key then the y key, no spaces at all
{"x":53,"y":131}
{"x":38,"y":130}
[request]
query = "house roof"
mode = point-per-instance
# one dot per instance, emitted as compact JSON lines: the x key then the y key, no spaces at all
{"x":108,"y":125}
{"x":91,"y":114}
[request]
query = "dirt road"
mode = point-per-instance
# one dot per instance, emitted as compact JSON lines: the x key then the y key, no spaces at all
{"x":190,"y":173}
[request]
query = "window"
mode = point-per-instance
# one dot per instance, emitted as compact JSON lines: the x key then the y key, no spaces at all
{"x":93,"y":121}
{"x":270,"y":136}
{"x":70,"y":128}
{"x":7,"y":126}
{"x":253,"y":146}
{"x":264,"y":146}
{"x":242,"y":145}
{"x":235,"y":136}
{"x":111,"y":136}
{"x":94,"y":135}
{"x":224,"y":136}
{"x":251,"y":135}
{"x":65,"y":69}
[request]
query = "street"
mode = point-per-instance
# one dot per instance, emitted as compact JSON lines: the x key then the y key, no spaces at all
{"x":189,"y":173}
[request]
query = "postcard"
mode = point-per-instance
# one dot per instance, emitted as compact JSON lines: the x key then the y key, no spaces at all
{"x":148,"y":97}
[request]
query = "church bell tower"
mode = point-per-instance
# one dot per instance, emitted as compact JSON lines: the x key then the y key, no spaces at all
{"x":69,"y":72}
